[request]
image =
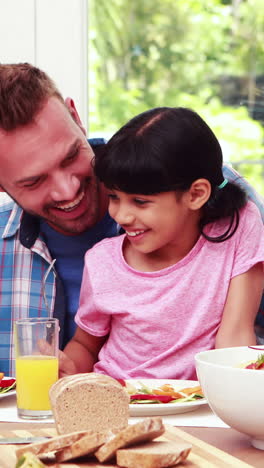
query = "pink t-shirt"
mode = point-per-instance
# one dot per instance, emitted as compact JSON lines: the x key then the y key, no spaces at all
{"x":158,"y":320}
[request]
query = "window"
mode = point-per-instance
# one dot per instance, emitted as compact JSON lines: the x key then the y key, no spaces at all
{"x":207,"y":55}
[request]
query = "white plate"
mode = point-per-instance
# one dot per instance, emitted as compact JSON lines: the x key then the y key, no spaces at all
{"x":164,"y":408}
{"x":11,"y":392}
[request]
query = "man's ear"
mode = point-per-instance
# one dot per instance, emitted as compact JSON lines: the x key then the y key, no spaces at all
{"x":199,"y":193}
{"x":72,"y":109}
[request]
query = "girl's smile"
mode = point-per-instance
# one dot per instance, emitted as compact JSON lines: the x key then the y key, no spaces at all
{"x":156,"y":226}
{"x":134,"y":233}
{"x":137,"y":235}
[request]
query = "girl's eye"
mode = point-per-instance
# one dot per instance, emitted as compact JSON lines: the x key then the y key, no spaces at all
{"x":112,"y":196}
{"x":141,"y":201}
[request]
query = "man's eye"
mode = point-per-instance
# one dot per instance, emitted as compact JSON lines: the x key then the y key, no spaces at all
{"x":71,"y":158}
{"x":32,"y":183}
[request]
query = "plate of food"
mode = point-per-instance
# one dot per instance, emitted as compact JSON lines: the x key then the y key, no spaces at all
{"x":160,"y":397}
{"x":7,"y":385}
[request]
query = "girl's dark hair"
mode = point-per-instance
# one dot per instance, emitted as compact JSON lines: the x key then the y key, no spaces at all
{"x":167,"y":149}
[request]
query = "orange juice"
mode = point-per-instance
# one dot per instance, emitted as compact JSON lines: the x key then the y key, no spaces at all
{"x":35,"y":375}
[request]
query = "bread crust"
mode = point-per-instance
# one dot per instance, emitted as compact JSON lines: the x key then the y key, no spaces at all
{"x":157,"y":454}
{"x":87,"y":445}
{"x":89,"y":401}
{"x":143,"y":431}
{"x":51,"y":445}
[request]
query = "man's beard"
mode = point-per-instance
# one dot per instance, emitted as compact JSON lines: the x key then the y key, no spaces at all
{"x":76,"y":226}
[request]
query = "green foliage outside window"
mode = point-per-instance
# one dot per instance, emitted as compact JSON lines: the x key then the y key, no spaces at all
{"x":207,"y":55}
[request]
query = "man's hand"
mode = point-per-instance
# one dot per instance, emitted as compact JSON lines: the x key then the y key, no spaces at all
{"x":79,"y":355}
{"x":66,"y":365}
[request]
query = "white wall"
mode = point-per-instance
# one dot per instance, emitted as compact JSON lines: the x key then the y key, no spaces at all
{"x":52,"y":34}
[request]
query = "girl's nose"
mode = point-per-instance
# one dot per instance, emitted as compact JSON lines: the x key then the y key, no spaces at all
{"x":123,"y":217}
{"x":65,"y":187}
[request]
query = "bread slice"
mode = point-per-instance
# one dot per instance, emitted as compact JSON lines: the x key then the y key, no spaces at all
{"x":89,"y":401}
{"x":143,"y":431}
{"x":157,"y":454}
{"x":51,"y":445}
{"x":87,"y":445}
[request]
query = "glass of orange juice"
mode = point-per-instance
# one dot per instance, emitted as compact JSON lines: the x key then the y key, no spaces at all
{"x":36,"y":345}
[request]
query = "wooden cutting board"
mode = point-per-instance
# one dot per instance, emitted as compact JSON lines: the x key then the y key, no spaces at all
{"x":202,"y":454}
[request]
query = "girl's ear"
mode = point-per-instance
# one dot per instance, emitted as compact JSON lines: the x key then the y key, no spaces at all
{"x":72,"y":109}
{"x":199,"y":193}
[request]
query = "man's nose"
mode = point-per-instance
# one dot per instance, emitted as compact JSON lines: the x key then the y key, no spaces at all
{"x":65,"y":187}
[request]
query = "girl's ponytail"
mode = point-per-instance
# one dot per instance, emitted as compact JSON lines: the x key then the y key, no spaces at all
{"x":225,"y":202}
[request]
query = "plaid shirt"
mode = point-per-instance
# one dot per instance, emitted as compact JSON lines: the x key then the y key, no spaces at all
{"x":233,"y":176}
{"x":230,"y":174}
{"x":24,"y":290}
{"x":29,"y":284}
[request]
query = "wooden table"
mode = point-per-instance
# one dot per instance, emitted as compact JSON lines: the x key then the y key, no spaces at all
{"x":228,"y":440}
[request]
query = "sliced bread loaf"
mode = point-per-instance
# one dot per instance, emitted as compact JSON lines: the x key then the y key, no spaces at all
{"x":156,"y":454}
{"x":51,"y":445}
{"x":89,"y":401}
{"x":143,"y":431}
{"x":87,"y":445}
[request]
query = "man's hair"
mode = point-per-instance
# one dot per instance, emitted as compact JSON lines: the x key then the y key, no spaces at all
{"x":24,"y":90}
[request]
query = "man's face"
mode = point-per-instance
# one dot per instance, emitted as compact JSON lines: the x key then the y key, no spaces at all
{"x":46,"y":168}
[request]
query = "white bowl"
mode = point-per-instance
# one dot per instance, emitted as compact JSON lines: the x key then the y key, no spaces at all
{"x":234,"y":394}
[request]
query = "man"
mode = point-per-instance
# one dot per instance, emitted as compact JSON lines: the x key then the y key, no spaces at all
{"x":46,"y":169}
{"x":57,"y":208}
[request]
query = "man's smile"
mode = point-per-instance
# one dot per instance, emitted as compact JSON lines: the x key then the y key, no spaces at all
{"x":72,"y":205}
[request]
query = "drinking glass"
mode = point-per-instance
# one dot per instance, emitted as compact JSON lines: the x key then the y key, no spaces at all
{"x":36,"y":346}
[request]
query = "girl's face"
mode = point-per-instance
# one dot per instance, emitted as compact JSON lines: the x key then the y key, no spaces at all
{"x":161,"y":223}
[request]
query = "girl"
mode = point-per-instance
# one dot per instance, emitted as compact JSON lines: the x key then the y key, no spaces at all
{"x":187,"y":274}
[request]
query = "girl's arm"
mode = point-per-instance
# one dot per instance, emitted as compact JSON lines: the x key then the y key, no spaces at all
{"x":243,"y":299}
{"x":81,"y":353}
